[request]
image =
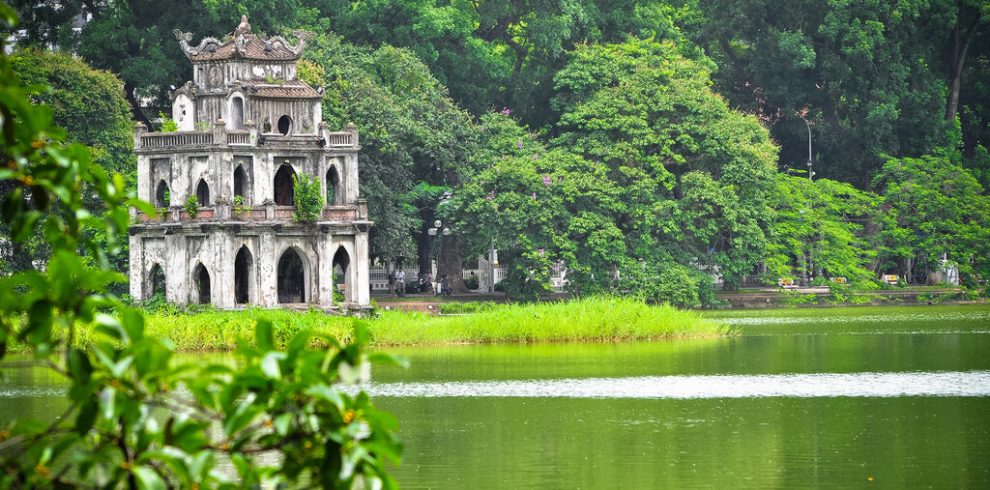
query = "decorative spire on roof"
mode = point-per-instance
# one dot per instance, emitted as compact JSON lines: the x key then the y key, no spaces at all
{"x":243,"y":44}
{"x":244,"y":27}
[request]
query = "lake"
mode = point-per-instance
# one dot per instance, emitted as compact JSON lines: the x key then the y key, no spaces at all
{"x":851,"y":397}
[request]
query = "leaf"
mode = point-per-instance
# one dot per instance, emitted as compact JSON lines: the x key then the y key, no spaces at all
{"x":270,"y":365}
{"x":147,"y":478}
{"x":263,"y":335}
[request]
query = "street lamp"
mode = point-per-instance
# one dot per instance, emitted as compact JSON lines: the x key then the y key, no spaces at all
{"x":810,"y":172}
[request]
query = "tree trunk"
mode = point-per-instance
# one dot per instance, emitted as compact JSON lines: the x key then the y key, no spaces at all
{"x":450,"y":264}
{"x":129,"y":93}
{"x":424,"y":245}
{"x":961,"y":39}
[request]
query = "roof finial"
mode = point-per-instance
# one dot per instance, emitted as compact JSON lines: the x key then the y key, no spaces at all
{"x":244,"y":27}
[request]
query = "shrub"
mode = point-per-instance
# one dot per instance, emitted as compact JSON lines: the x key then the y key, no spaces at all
{"x":309,"y":199}
{"x":191,"y":206}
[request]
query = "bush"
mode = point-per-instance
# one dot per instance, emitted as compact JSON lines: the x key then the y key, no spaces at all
{"x":191,"y":206}
{"x":309,"y":199}
{"x":675,"y":286}
{"x":471,"y":282}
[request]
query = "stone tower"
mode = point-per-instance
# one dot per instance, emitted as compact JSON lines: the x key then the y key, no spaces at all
{"x":246,"y":127}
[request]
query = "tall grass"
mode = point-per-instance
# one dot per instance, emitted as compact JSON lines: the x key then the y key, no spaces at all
{"x":600,"y":319}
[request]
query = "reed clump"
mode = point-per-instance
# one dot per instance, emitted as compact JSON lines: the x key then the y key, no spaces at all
{"x":596,"y":319}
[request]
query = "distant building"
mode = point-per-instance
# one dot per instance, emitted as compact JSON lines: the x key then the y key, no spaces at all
{"x":246,"y":127}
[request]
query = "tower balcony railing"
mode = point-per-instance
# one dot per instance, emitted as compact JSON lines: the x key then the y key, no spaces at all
{"x":263,"y":213}
{"x":218,"y":136}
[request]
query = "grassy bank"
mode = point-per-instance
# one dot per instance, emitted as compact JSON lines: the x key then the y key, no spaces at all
{"x":585,"y":320}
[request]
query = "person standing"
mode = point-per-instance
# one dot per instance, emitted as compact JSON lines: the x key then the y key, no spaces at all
{"x":400,"y":283}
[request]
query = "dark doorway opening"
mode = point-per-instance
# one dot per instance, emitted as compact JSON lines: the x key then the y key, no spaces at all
{"x":333,"y":187}
{"x":157,"y":281}
{"x":242,"y":275}
{"x":285,"y":192}
{"x":237,"y":113}
{"x":341,"y":279}
{"x":203,"y":193}
{"x":161,"y":195}
{"x":202,"y":278}
{"x":291,"y":278}
{"x":284,"y":125}
{"x":240,"y":183}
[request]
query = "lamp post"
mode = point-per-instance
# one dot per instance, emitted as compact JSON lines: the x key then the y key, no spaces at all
{"x":810,"y":263}
{"x":810,"y":172}
{"x":440,"y":230}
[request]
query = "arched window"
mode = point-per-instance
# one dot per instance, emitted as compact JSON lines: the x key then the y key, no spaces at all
{"x":162,"y":196}
{"x":240,"y":183}
{"x":203,"y":193}
{"x":333,"y":187}
{"x":341,"y":279}
{"x":237,"y":113}
{"x":156,"y":279}
{"x":202,"y":279}
{"x":284,"y":190}
{"x":291,"y":277}
{"x":242,"y":275}
{"x":285,"y":125}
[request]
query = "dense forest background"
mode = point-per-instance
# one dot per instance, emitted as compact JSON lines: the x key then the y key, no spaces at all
{"x":644,"y":145}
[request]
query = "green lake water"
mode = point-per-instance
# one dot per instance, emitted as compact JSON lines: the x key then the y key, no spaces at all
{"x":838,"y":398}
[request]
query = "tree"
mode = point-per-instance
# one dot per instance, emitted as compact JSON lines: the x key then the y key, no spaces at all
{"x":866,"y":74}
{"x":819,"y":231}
{"x":936,"y":209}
{"x":694,"y":174}
{"x":414,"y":138}
{"x":90,"y":105}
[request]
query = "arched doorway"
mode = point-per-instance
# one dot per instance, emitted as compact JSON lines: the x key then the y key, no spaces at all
{"x":285,"y":125}
{"x":156,"y":281}
{"x":203,"y":193}
{"x":237,"y":113}
{"x":240,"y":183}
{"x":202,"y":279}
{"x":162,"y":195}
{"x":333,"y":187}
{"x":243,"y":263}
{"x":285,"y":193}
{"x":341,"y":276}
{"x":291,"y":277}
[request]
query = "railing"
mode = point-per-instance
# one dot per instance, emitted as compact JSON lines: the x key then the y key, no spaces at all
{"x":340,"y":138}
{"x":339,"y":214}
{"x":225,"y":212}
{"x":161,"y":140}
{"x":239,"y":138}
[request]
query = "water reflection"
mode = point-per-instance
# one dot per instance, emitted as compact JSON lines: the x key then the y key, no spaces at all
{"x":952,"y":384}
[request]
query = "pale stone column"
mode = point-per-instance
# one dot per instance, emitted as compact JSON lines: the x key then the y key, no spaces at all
{"x":136,"y":272}
{"x":267,"y":270}
{"x":177,"y":281}
{"x":223,"y":264}
{"x":362,"y":278}
{"x":325,"y":260}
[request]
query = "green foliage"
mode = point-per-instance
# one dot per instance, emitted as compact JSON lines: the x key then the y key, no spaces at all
{"x":168,"y":125}
{"x":191,"y":206}
{"x":124,"y":425}
{"x":309,"y":199}
{"x":411,"y":133}
{"x":818,"y":231}
{"x":591,"y":319}
{"x":456,"y":308}
{"x":936,"y":207}
{"x":90,"y":105}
